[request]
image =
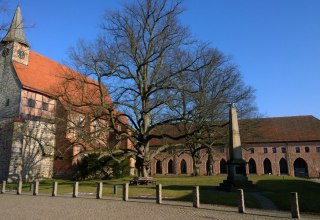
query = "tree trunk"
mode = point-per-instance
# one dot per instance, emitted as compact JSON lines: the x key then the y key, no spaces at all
{"x":196,"y":169}
{"x":209,"y":163}
{"x":196,"y":164}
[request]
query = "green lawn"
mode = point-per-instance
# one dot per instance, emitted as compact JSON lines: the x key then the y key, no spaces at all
{"x":180,"y":188}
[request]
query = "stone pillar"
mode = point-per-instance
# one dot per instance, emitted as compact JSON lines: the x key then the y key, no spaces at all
{"x":54,"y":189}
{"x":75,"y":190}
{"x":159,"y":193}
{"x":19,"y":187}
{"x":196,"y":197}
{"x":36,"y":188}
{"x":295,"y":213}
{"x":3,"y":188}
{"x":115,"y":190}
{"x":125,"y":192}
{"x":99,"y":190}
{"x":241,"y":206}
{"x":234,"y":142}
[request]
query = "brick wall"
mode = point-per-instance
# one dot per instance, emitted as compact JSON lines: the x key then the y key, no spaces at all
{"x":308,"y":153}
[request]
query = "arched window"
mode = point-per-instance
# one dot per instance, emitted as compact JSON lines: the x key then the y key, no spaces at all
{"x":183,"y":166}
{"x":252,"y":166}
{"x":223,"y":166}
{"x":283,"y":166}
{"x":159,"y":167}
{"x":267,"y":166}
{"x":300,"y":168}
{"x":170,"y":167}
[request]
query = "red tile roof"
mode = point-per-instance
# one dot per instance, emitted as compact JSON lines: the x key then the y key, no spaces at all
{"x":261,"y":130}
{"x":284,"y":129}
{"x":45,"y":76}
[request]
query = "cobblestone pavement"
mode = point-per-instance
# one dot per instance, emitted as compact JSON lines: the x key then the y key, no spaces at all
{"x":45,"y":207}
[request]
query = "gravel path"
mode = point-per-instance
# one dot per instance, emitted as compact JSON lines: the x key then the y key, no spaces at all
{"x":264,"y":202}
{"x":45,"y":207}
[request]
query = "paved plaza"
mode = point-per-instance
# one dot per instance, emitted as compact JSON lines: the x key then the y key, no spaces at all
{"x":64,"y":207}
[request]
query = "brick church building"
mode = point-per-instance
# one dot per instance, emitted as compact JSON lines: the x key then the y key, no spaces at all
{"x":38,"y":125}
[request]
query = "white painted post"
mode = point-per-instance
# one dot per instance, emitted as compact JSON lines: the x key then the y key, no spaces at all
{"x":241,"y":206}
{"x":295,"y":213}
{"x":125,"y":192}
{"x":196,"y":197}
{"x":36,"y":188}
{"x":75,"y":190}
{"x":31,"y":186}
{"x":159,"y":193}
{"x":3,"y":188}
{"x":99,"y":190}
{"x":54,"y":189}
{"x":115,"y":190}
{"x":19,"y":187}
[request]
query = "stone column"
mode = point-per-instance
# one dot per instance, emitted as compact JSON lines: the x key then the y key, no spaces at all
{"x":295,"y":213}
{"x":54,"y":188}
{"x":75,"y":193}
{"x":19,"y":187}
{"x":36,"y":188}
{"x":196,"y":197}
{"x":3,"y":188}
{"x":159,"y":193}
{"x":241,"y":206}
{"x":99,"y":190}
{"x":125,"y":192}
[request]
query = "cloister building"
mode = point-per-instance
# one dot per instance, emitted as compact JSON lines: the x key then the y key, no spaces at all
{"x":279,"y":146}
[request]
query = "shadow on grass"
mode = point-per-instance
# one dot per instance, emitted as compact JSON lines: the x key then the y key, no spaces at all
{"x":278,"y":190}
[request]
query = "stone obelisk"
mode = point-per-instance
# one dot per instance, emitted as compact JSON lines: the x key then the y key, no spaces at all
{"x":236,"y":165}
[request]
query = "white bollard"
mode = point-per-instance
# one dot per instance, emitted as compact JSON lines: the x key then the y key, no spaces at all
{"x":295,"y":213}
{"x":159,"y":193}
{"x":99,"y":190}
{"x":19,"y":187}
{"x":125,"y":192}
{"x":36,"y":188}
{"x":196,"y":197}
{"x":241,"y":206}
{"x":75,"y":190}
{"x":54,"y":189}
{"x":3,"y":187}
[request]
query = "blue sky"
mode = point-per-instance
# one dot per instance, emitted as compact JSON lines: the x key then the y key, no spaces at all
{"x":275,"y":43}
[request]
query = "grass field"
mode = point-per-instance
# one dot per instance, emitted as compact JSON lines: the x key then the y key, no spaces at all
{"x":180,"y":188}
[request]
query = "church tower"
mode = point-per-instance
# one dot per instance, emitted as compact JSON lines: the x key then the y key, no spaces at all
{"x":14,"y":46}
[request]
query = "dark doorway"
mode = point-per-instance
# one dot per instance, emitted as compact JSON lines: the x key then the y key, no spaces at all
{"x":158,"y":167}
{"x":223,"y":166}
{"x":283,"y":166}
{"x":300,"y":168}
{"x":267,"y":166}
{"x":252,"y":166}
{"x":170,"y":167}
{"x":183,"y":166}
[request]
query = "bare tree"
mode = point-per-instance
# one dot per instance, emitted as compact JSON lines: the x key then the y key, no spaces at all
{"x":3,"y":24}
{"x":204,"y":100}
{"x":145,"y":57}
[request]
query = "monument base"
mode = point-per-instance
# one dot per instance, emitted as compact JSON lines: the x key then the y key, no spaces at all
{"x":236,"y":176}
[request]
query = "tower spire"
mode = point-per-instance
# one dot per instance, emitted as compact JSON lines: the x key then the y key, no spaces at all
{"x":16,"y":31}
